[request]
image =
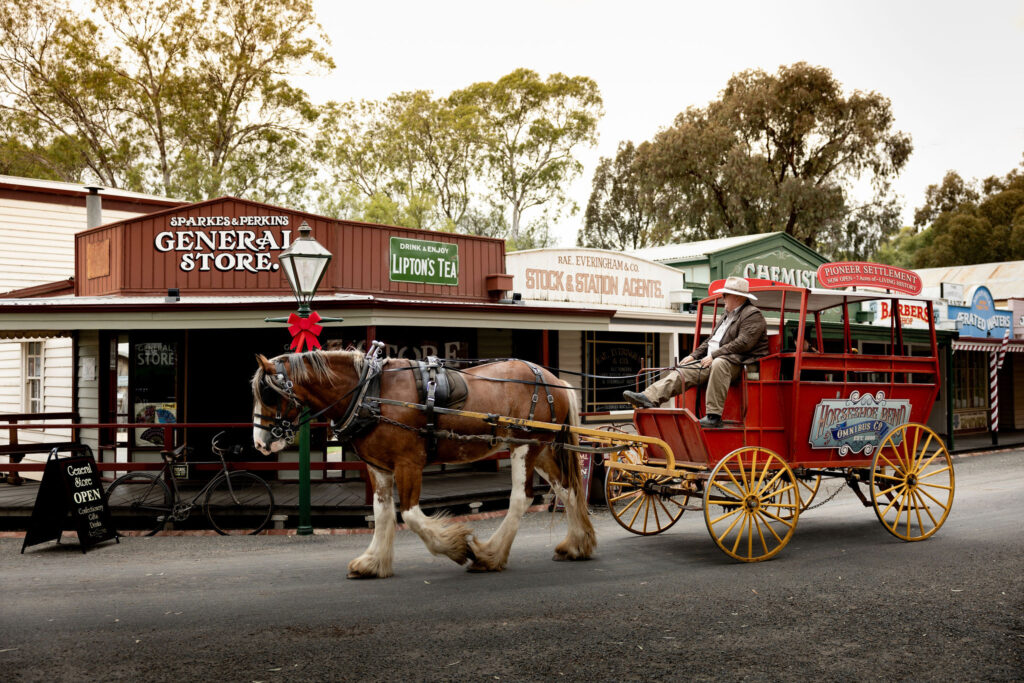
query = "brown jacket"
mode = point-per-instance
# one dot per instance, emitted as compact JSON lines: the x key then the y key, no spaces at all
{"x":745,"y":341}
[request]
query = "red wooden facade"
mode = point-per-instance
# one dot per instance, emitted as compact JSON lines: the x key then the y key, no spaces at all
{"x":229,"y":247}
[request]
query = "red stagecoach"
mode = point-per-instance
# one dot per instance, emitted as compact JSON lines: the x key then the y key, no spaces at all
{"x":814,"y":408}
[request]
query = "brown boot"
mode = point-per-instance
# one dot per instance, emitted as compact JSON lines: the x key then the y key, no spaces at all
{"x":14,"y":479}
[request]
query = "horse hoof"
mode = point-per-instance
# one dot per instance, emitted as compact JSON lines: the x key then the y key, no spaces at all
{"x":564,"y":557}
{"x":357,"y":575}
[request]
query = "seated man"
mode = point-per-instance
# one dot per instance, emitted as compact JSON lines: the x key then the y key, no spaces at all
{"x":739,"y":338}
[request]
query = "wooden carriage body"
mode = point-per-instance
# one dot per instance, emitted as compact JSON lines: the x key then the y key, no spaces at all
{"x":805,"y":403}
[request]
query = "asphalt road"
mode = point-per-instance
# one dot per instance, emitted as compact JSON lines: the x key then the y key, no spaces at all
{"x":843,"y":601}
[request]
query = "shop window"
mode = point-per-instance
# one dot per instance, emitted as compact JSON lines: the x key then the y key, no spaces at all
{"x":613,"y":361}
{"x":970,"y":381}
{"x":33,"y":374}
{"x":154,"y":388}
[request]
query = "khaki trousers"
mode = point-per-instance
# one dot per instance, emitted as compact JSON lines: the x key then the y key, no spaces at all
{"x":717,"y":378}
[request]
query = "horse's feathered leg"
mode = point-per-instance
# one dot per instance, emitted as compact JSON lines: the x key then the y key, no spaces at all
{"x":561,"y":470}
{"x":492,"y":554}
{"x":440,"y":537}
{"x":376,"y":562}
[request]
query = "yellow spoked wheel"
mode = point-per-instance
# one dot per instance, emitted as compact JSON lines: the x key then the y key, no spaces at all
{"x":912,"y":482}
{"x":751,"y":504}
{"x":642,"y":503}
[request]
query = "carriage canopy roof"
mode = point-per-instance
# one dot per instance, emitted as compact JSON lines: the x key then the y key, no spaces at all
{"x":771,"y":298}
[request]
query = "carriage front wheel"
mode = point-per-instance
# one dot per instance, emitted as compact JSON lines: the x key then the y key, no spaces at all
{"x":642,"y":503}
{"x":912,"y":482}
{"x":751,"y":504}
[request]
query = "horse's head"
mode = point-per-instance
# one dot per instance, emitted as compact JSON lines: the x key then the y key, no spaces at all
{"x":282,"y":386}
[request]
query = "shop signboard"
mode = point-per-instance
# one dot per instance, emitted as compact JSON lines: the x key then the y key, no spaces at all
{"x":913,"y":314}
{"x":424,"y":261}
{"x":862,"y":274}
{"x":980,"y":318}
{"x":1017,"y":311}
{"x":780,"y":266}
{"x":225,"y":243}
{"x":857,"y":423}
{"x":70,"y":485}
{"x":593,"y":276}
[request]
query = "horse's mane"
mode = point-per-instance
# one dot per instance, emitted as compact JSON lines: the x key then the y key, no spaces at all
{"x":308,"y":366}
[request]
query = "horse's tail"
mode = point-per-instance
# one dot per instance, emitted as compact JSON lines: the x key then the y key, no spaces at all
{"x":568,"y":460}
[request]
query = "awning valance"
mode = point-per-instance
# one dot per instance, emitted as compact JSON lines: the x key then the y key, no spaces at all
{"x":993,"y":345}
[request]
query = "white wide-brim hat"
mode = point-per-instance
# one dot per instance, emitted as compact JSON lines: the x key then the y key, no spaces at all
{"x":738,"y":286}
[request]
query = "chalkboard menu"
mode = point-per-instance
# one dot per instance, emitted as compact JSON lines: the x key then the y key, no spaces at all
{"x":70,"y":484}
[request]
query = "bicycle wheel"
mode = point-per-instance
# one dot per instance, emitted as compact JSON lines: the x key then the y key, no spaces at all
{"x":139,"y":500}
{"x":239,"y":503}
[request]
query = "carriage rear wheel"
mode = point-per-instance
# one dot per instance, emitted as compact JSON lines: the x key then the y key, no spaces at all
{"x":641,"y":503}
{"x":751,"y":504}
{"x":912,"y":482}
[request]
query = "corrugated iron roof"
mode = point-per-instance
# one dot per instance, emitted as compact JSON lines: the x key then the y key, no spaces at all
{"x":689,"y":251}
{"x":1005,"y":280}
{"x":78,"y":188}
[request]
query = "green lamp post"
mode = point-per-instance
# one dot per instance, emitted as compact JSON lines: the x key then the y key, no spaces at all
{"x":304,"y":264}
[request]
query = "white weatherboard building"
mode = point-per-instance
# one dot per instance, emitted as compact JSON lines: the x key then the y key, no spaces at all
{"x":38,"y":222}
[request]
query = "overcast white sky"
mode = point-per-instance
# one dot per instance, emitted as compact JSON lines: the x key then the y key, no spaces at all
{"x":954,"y":70}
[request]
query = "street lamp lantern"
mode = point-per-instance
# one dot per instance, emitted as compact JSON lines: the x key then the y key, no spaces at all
{"x":304,"y":263}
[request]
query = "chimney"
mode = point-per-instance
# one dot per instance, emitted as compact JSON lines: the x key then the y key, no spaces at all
{"x":93,"y":208}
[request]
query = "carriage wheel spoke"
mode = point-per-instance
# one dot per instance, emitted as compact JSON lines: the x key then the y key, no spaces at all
{"x":917,"y":510}
{"x":779,"y":519}
{"x":739,"y":534}
{"x":902,"y":482}
{"x":743,"y":476}
{"x":760,"y":534}
{"x":768,"y":526}
{"x":741,"y":487}
{"x":771,"y":482}
{"x":947,"y":468}
{"x":637,"y":497}
{"x":718,"y":519}
{"x":936,"y":500}
{"x":727,"y":490}
{"x":938,"y":486}
{"x":892,"y":502}
{"x":636,"y":513}
{"x":634,"y":492}
{"x":659,"y":502}
{"x":891,"y":463}
{"x":927,"y":511}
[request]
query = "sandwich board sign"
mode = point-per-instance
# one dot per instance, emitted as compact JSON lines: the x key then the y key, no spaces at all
{"x":70,"y":485}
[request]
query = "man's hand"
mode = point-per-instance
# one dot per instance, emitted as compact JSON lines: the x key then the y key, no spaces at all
{"x":686,"y":361}
{"x":706,"y":361}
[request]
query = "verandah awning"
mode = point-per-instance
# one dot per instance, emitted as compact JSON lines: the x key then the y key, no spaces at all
{"x":994,"y":345}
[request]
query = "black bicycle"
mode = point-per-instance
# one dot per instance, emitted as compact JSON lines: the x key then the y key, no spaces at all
{"x":231,"y":497}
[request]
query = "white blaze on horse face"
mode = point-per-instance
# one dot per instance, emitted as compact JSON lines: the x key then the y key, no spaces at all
{"x":258,"y":432}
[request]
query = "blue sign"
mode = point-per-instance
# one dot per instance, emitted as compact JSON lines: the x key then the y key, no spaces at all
{"x":981,"y":319}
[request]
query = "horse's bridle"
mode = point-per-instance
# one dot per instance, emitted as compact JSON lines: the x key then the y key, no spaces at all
{"x":284,"y":388}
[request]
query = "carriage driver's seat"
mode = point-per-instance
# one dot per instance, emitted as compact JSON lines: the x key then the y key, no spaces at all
{"x":735,"y":409}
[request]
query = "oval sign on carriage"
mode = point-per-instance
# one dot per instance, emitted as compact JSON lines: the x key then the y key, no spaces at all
{"x":863,"y":274}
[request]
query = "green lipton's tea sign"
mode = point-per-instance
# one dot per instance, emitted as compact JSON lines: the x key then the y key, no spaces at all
{"x":433,"y":263}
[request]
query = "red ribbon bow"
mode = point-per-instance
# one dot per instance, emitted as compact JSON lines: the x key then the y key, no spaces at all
{"x":304,"y":331}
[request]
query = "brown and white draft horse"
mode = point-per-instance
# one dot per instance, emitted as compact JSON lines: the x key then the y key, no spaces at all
{"x":396,"y":455}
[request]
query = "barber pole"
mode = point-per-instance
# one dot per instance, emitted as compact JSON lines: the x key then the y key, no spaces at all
{"x":994,"y":364}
